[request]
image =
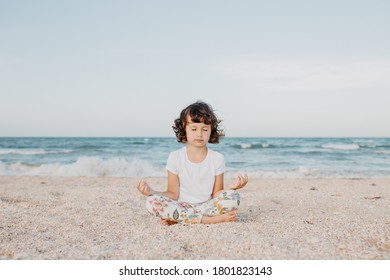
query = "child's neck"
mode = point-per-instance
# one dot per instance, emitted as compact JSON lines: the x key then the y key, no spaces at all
{"x":196,"y":154}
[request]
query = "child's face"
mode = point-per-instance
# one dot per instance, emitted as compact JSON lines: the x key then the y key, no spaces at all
{"x":198,"y":134}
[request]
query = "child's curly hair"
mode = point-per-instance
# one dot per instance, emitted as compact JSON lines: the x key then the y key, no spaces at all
{"x":199,"y":112}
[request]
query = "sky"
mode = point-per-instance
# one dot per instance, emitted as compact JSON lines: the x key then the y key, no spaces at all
{"x":127,"y":68}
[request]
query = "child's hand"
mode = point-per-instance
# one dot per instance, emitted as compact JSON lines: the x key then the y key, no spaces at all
{"x":143,"y":187}
{"x":240,"y":182}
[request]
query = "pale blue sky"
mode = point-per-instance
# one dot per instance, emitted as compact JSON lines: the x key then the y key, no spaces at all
{"x":127,"y":68}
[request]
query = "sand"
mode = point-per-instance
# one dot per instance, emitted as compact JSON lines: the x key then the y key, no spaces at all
{"x":105,"y":218}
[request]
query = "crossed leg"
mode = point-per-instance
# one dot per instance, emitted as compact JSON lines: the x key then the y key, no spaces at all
{"x":222,"y":208}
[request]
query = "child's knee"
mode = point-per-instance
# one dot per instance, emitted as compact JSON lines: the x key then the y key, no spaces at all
{"x":149,"y":204}
{"x":230,"y":195}
{"x":230,"y":200}
{"x":163,"y":207}
{"x":155,"y":204}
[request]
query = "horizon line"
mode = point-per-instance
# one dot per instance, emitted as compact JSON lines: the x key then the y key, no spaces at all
{"x":145,"y":137}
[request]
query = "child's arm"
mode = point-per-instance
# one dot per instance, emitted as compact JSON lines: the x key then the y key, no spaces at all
{"x":172,"y":191}
{"x":218,"y":185}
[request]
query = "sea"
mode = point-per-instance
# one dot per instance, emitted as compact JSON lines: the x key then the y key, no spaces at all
{"x":146,"y":157}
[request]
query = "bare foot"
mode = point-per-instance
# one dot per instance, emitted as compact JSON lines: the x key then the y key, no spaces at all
{"x":167,"y":222}
{"x":223,"y":218}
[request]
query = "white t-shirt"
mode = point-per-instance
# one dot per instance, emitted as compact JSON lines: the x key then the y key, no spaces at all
{"x":196,"y":179}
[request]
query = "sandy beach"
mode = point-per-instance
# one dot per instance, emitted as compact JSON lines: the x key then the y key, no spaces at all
{"x":105,"y":218}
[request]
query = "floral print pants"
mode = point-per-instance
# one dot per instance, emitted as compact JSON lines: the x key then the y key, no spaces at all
{"x":191,"y":213}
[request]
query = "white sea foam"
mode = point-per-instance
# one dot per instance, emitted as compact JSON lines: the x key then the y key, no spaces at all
{"x":31,"y":152}
{"x":86,"y":166}
{"x":345,"y":147}
{"x":251,"y":146}
{"x":246,"y":146}
{"x":22,"y":152}
{"x":299,"y":173}
{"x":294,"y":173}
{"x":3,"y":168}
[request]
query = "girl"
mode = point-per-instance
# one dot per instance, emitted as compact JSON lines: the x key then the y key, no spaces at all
{"x":195,"y":191}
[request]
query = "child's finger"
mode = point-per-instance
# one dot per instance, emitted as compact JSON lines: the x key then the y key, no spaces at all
{"x":243,"y":179}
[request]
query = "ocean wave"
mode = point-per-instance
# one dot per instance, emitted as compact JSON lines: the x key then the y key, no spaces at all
{"x":252,"y":146}
{"x":345,"y":147}
{"x":328,"y":146}
{"x":32,"y":152}
{"x":385,"y":152}
{"x":304,"y":172}
{"x":85,"y":166}
{"x":121,"y":167}
{"x":138,"y":143}
{"x":383,"y":146}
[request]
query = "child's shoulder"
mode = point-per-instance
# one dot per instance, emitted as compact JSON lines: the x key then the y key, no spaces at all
{"x":177,"y":152}
{"x":216,"y":154}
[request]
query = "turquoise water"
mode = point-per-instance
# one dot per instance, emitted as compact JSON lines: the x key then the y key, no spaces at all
{"x":135,"y":157}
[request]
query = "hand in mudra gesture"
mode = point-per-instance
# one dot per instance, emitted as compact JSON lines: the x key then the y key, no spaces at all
{"x":241,"y":181}
{"x":143,"y":187}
